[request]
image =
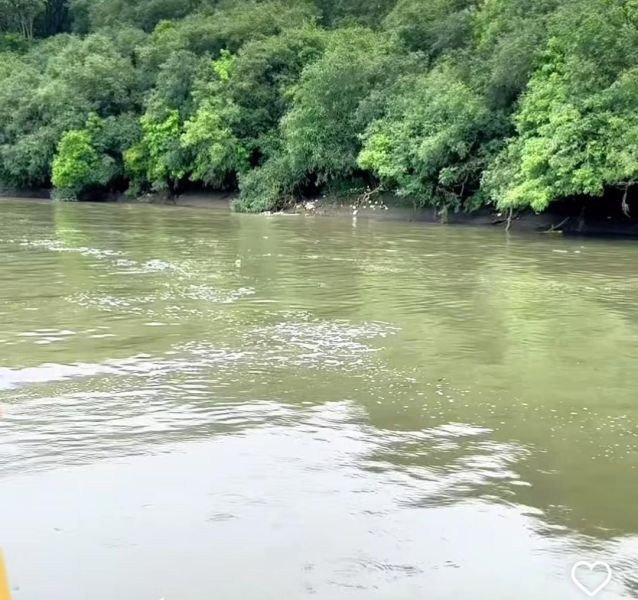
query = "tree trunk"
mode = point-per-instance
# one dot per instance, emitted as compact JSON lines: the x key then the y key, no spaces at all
{"x":624,"y":205}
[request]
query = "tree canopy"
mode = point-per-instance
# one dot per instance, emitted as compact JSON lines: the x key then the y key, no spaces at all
{"x":456,"y":104}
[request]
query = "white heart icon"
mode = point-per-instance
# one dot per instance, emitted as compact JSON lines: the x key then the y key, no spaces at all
{"x":597,"y":566}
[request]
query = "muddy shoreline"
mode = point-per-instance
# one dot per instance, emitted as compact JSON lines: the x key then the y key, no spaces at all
{"x":567,"y":220}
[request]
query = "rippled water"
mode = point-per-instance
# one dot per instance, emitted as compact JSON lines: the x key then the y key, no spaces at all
{"x":201,"y":405}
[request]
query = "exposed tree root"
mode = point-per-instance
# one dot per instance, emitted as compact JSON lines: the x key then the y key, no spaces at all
{"x":557,"y":227}
{"x":624,"y":205}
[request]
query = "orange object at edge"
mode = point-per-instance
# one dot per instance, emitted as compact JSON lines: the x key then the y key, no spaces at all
{"x":5,"y":593}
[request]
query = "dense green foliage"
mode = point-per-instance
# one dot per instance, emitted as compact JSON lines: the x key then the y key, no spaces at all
{"x":452,"y":103}
{"x":577,"y":123}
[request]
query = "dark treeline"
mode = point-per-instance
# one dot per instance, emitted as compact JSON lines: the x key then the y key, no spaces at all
{"x":453,"y":103}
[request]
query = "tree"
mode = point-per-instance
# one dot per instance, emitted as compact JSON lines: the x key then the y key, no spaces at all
{"x":20,"y":15}
{"x":217,"y":154}
{"x":158,"y":158}
{"x":51,"y":90}
{"x":349,"y":12}
{"x":92,"y":158}
{"x":577,"y":125}
{"x":510,"y":36}
{"x":451,"y":102}
{"x":145,"y":14}
{"x":433,"y":141}
{"x":335,"y":101}
{"x":432,"y":26}
{"x":78,"y":165}
{"x":236,"y":124}
{"x":264,"y":72}
{"x":54,"y":19}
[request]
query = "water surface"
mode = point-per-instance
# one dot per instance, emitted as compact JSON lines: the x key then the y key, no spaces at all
{"x":197,"y":405}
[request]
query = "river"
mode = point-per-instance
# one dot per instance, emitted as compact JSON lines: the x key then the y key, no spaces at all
{"x":197,"y":404}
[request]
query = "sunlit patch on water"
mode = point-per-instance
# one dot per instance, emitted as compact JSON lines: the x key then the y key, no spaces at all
{"x":452,"y":462}
{"x":156,"y":265}
{"x":111,"y":303}
{"x":320,"y":344}
{"x":117,"y":259}
{"x":381,"y":267}
{"x":59,"y":246}
{"x":164,"y":302}
{"x":125,"y":263}
{"x":11,"y":378}
{"x":139,"y":366}
{"x":43,"y":337}
{"x":211,"y":294}
{"x":296,"y":506}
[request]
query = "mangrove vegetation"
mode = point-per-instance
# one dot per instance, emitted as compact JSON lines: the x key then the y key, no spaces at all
{"x":455,"y":104}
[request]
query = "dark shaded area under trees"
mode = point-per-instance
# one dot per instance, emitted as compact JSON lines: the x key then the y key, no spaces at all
{"x":456,"y":104}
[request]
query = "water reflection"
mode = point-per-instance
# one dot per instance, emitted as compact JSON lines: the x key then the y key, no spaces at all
{"x":386,"y":411}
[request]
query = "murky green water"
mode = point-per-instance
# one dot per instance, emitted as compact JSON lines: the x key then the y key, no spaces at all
{"x":201,"y":405}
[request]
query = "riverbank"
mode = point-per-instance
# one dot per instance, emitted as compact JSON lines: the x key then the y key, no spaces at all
{"x":569,"y":218}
